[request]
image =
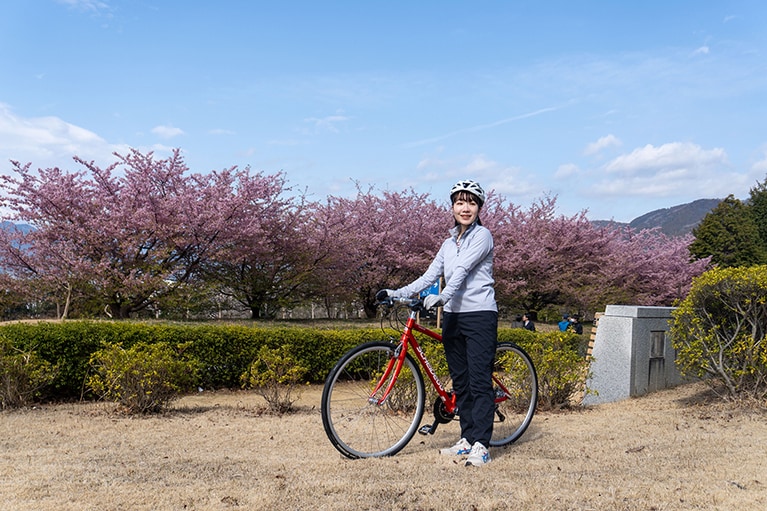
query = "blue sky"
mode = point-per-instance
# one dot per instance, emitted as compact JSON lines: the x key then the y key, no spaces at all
{"x":616,"y":107}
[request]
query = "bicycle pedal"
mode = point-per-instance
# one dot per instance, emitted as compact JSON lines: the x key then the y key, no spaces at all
{"x":428,"y":429}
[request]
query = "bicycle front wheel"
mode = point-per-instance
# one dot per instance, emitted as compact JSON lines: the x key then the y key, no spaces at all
{"x":356,"y":424}
{"x":516,"y":393}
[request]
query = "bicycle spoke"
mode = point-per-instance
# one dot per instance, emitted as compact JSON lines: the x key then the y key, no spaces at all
{"x":516,"y":388}
{"x":356,"y":425}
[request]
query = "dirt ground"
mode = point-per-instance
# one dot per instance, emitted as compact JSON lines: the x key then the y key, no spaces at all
{"x":672,"y":450}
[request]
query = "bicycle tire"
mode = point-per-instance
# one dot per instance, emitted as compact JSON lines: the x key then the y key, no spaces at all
{"x":516,"y":385}
{"x":358,"y":428}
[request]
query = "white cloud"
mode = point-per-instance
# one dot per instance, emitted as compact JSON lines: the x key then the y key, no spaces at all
{"x":85,"y":5}
{"x":674,"y":169}
{"x":49,"y":141}
{"x":508,"y":181}
{"x":158,"y":148}
{"x":429,"y":162}
{"x":675,"y":155}
{"x":603,"y":143}
{"x":479,"y":165}
{"x":513,"y":185}
{"x":167,"y":131}
{"x":328,"y":123}
{"x":566,"y":171}
{"x":45,"y":131}
{"x":760,"y":166}
{"x":442,"y":173}
{"x":703,"y":50}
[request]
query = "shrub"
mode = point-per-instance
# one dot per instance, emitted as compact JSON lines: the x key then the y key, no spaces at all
{"x":562,"y":370}
{"x":719,"y":331}
{"x":23,"y":375}
{"x":275,"y":375}
{"x":144,"y":378}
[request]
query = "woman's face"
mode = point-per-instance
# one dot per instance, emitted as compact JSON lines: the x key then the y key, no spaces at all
{"x":465,"y":211}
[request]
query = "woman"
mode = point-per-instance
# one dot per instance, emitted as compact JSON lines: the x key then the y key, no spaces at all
{"x":470,"y":324}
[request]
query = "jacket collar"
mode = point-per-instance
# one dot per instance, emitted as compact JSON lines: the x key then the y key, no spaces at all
{"x":456,"y":229}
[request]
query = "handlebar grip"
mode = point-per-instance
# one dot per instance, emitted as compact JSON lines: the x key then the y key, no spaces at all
{"x":410,"y":302}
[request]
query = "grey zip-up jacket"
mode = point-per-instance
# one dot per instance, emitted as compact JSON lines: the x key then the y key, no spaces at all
{"x":468,"y":270}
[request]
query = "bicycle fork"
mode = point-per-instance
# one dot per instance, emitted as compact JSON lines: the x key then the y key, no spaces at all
{"x":391,"y":373}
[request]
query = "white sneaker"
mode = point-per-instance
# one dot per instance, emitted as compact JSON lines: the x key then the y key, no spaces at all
{"x":478,"y":455}
{"x":461,"y":448}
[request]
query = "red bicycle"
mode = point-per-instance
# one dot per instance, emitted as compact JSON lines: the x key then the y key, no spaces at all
{"x":374,"y":398}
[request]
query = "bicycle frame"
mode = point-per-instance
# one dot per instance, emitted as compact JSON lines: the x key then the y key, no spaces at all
{"x":391,"y":373}
{"x":393,"y":368}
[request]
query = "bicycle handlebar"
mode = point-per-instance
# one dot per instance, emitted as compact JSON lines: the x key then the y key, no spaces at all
{"x":412,"y":303}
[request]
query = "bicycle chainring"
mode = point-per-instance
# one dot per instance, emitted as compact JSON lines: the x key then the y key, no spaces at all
{"x":441,"y":415}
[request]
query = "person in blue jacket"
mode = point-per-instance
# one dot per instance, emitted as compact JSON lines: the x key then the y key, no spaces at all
{"x":470,"y":323}
{"x":564,"y":323}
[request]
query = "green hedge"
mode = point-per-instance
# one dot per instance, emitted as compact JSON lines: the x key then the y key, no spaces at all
{"x":225,"y":352}
{"x":66,"y":345}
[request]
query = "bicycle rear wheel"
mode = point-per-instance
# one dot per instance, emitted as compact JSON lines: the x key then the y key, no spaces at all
{"x":516,"y":390}
{"x":355,"y":423}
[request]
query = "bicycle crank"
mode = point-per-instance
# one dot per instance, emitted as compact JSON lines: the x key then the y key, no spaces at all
{"x":441,"y":416}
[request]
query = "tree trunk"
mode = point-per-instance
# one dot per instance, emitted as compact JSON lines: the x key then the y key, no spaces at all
{"x":65,"y":314}
{"x":370,"y":308}
{"x":257,"y":311}
{"x":118,"y":311}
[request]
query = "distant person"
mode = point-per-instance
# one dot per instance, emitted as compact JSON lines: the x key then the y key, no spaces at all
{"x":564,"y":323}
{"x":527,"y":324}
{"x":576,"y":325}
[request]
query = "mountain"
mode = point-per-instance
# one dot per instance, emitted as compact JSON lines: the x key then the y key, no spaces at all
{"x":677,"y":220}
{"x":674,"y":221}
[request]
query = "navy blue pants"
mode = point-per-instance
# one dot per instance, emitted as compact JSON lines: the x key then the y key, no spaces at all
{"x":470,"y":340}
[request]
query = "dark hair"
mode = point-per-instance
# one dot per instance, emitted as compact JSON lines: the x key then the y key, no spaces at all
{"x":468,"y":197}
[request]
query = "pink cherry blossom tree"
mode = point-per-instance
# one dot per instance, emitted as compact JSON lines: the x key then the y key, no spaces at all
{"x":543,"y":258}
{"x":270,"y":262}
{"x":649,"y":268}
{"x":376,"y":241}
{"x":129,"y":233}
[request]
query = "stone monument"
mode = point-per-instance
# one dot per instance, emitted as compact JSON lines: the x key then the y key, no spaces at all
{"x":632,"y":354}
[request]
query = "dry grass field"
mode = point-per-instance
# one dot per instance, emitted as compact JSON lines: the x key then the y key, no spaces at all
{"x":672,"y":450}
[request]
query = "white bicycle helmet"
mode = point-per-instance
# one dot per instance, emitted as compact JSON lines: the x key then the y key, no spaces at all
{"x":471,"y":187}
